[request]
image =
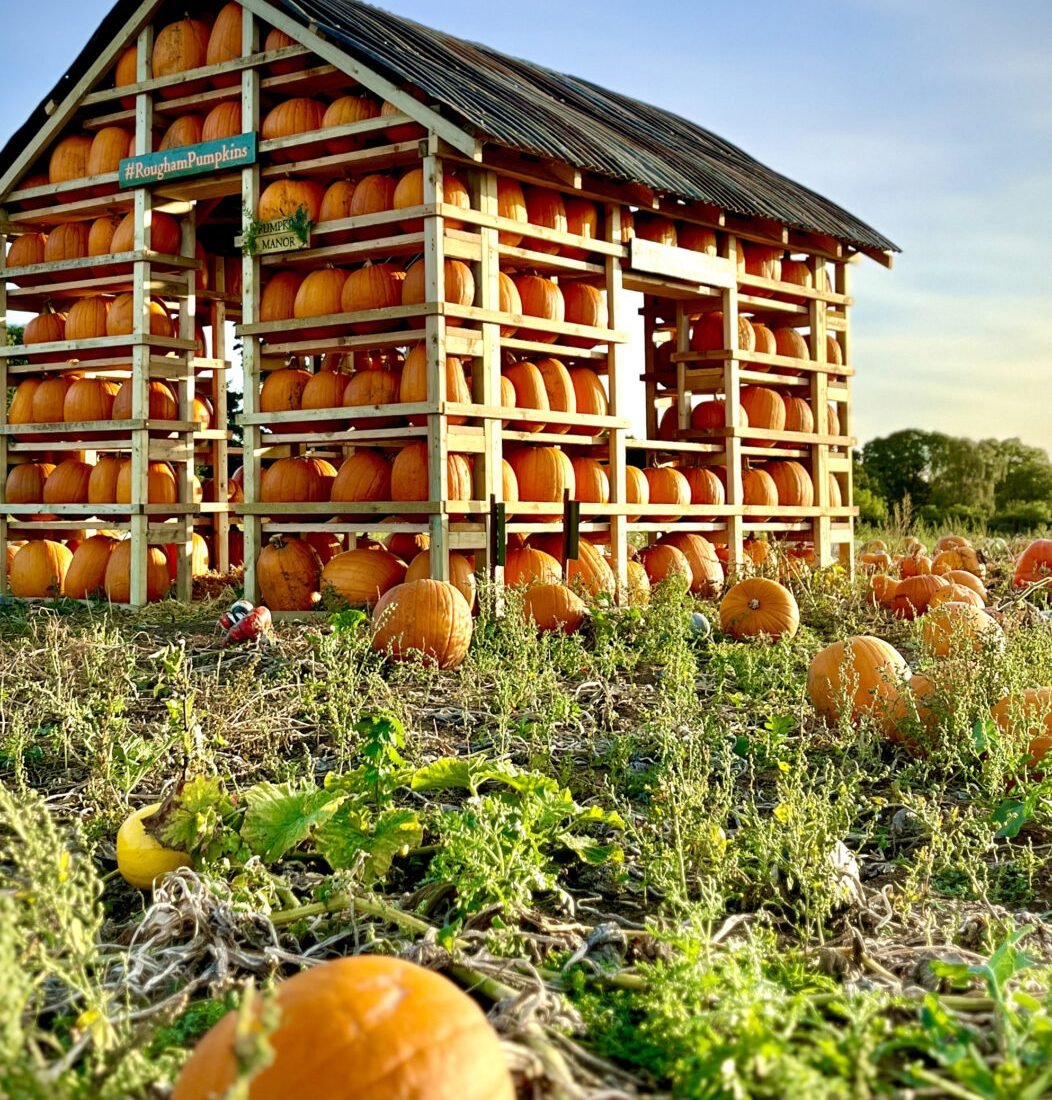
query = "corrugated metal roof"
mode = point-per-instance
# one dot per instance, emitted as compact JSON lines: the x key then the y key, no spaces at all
{"x":536,"y":110}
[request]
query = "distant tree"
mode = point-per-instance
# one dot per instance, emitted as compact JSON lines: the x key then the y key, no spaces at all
{"x":1026,"y":474}
{"x":962,"y":478}
{"x":899,"y":465}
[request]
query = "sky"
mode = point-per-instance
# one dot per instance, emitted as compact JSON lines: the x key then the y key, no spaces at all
{"x":929,"y":119}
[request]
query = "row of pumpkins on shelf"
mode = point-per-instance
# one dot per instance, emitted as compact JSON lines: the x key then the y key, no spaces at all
{"x":530,"y":474}
{"x":69,"y":398}
{"x":760,"y":407}
{"x":95,"y":567}
{"x":295,"y":295}
{"x":706,"y":334}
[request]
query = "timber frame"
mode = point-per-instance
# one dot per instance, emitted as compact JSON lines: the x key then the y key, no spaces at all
{"x":674,"y":292}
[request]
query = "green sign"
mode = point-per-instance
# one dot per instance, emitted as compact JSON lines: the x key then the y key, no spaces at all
{"x":225,"y":155}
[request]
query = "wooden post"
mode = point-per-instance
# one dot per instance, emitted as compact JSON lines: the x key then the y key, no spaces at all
{"x":435,"y":329}
{"x":822,"y":529}
{"x":617,"y":385}
{"x":847,"y":427}
{"x":185,"y":465}
{"x":220,"y":473}
{"x":250,"y":290}
{"x":732,"y":400}
{"x":4,"y":383}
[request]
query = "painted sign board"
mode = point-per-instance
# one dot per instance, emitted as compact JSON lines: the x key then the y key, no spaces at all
{"x":282,"y":235}
{"x":205,"y":158}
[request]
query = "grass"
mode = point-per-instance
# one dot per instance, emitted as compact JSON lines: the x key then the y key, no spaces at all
{"x":706,"y":891}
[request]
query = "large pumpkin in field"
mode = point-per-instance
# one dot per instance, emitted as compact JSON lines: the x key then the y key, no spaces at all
{"x":1028,"y":712}
{"x":461,"y":572}
{"x":862,"y":676}
{"x":757,"y":607}
{"x":361,"y":577}
{"x":289,"y":573}
{"x":663,"y":562}
{"x":1034,"y":564}
{"x":552,"y":607}
{"x":86,"y":575}
{"x":118,"y":574}
{"x":589,"y":571}
{"x":431,"y":619}
{"x":526,"y":566}
{"x":913,"y":593}
{"x":706,"y":568}
{"x":38,"y":570}
{"x":957,"y":628}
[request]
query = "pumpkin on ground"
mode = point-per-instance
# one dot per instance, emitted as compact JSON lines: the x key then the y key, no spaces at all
{"x":706,"y":569}
{"x":1028,"y":713}
{"x":1034,"y":564}
{"x":38,"y":570}
{"x":461,"y":570}
{"x":588,"y":572}
{"x":141,"y":859}
{"x":859,"y":677}
{"x":118,"y":574}
{"x":663,"y":561}
{"x":526,"y":566}
{"x":552,"y":607}
{"x":289,"y":574}
{"x":956,"y":629}
{"x":360,"y":577}
{"x":757,"y":606}
{"x":425,"y":618}
{"x":913,"y":593}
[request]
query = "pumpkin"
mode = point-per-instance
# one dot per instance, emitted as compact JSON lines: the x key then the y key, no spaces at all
{"x":45,"y":328}
{"x":364,"y":476}
{"x":705,"y":567}
{"x":25,"y":483}
{"x":100,"y":238}
{"x":278,"y":301}
{"x":89,"y":399}
{"x":790,"y":343}
{"x":86,"y":319}
{"x":582,"y":220}
{"x":431,"y":619}
{"x":876,"y":561}
{"x":109,"y":147}
{"x":592,"y":483}
{"x":554,"y":607}
{"x":413,"y":385}
{"x":162,"y":487}
{"x":964,"y":579}
{"x":126,"y":72}
{"x":705,"y":486}
{"x":409,"y":475}
{"x":883,"y":589}
{"x":284,"y":198}
{"x":761,"y":260}
{"x":38,"y":569}
{"x":25,"y":251}
{"x":951,"y":542}
{"x":954,"y":629}
{"x":224,"y":44}
{"x":916,"y":703}
{"x":656,"y":228}
{"x":798,"y":416}
{"x":69,"y":159}
{"x":912,"y":595}
{"x":459,"y":284}
{"x":759,"y":607}
{"x":589,"y":571}
{"x":185,"y":130}
{"x":526,"y":565}
{"x":707,"y":334}
{"x":48,"y":400}
{"x":545,"y":207}
{"x":662,"y":562}
{"x":834,"y":352}
{"x":697,"y":238}
{"x":321,"y":293}
{"x":558,"y":388}
{"x":511,"y":204}
{"x":162,"y":401}
{"x":165,"y":234}
{"x":200,"y":556}
{"x":461,"y":570}
{"x":711,"y":415}
{"x":914,"y":565}
{"x":542,"y":474}
{"x":859,"y":677}
{"x":324,"y":391}
{"x":589,"y":395}
{"x":372,"y":387}
{"x":793,"y":482}
{"x":374,"y":194}
{"x":102,"y":483}
{"x":637,"y":489}
{"x":120,"y":319}
{"x":1027,"y":713}
{"x":68,"y":241}
{"x":530,"y":393}
{"x":336,"y":204}
{"x":509,"y":482}
{"x":404,"y":131}
{"x":141,"y":858}
{"x":959,"y":558}
{"x":289,"y":574}
{"x":360,"y":577}
{"x":955,"y":593}
{"x":799,"y":274}
{"x":583,"y":305}
{"x":409,"y":193}
{"x":282,"y":391}
{"x":222,"y":121}
{"x":279,"y":40}
{"x":374,"y":286}
{"x":68,"y":483}
{"x":345,"y":111}
{"x":759,"y":491}
{"x":540,"y":298}
{"x":299,"y":115}
{"x":299,"y":480}
{"x":765,"y":344}
{"x":667,"y":486}
{"x":178,"y":48}
{"x":117,"y":582}
{"x":765,"y":409}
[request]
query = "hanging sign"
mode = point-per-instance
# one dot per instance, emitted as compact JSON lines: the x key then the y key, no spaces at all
{"x":206,"y":158}
{"x":283,"y":235}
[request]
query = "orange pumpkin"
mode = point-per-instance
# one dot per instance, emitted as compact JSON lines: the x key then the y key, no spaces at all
{"x":667,"y":486}
{"x":25,"y":251}
{"x":410,"y":193}
{"x":582,"y":219}
{"x":1034,"y":564}
{"x":530,"y":393}
{"x":657,"y":228}
{"x":545,"y":207}
{"x":48,"y":401}
{"x":320,"y":294}
{"x":109,"y":147}
{"x":299,"y":115}
{"x":69,"y":159}
{"x":165,"y":234}
{"x":711,"y":415}
{"x":765,"y":409}
{"x":789,"y":342}
{"x":429,"y":619}
{"x":459,"y":284}
{"x":912,"y":595}
{"x":45,"y":328}
{"x":706,"y":569}
{"x":374,"y":286}
{"x":526,"y":565}
{"x":127,"y":72}
{"x":583,"y":305}
{"x":757,"y":607}
{"x":707,"y":334}
{"x":68,"y":241}
{"x":278,"y":300}
{"x":117,"y":581}
{"x":461,"y":571}
{"x":297,"y":480}
{"x":289,"y":574}
{"x":68,"y":483}
{"x":1029,"y":713}
{"x":279,"y":40}
{"x":346,"y":111}
{"x":697,"y":238}
{"x":761,"y":260}
{"x":793,"y":482}
{"x":185,"y":130}
{"x":510,"y":302}
{"x":162,"y":487}
{"x":372,"y":387}
{"x":589,"y":395}
{"x":89,"y":399}
{"x":120,"y":319}
{"x":374,"y":194}
{"x":409,"y":475}
{"x":554,"y":607}
{"x":413,"y":385}
{"x":86,"y":319}
{"x":589,"y":571}
{"x":38,"y":569}
{"x":222,"y":121}
{"x":336,"y":205}
{"x":542,"y":474}
{"x":798,"y":416}
{"x":364,"y":476}
{"x":759,"y":491}
{"x":637,"y":489}
{"x":162,"y":402}
{"x":592,"y":484}
{"x":511,"y":205}
{"x":178,"y":48}
{"x":860,"y":677}
{"x":284,"y":198}
{"x":957,"y":629}
{"x":86,"y":575}
{"x":662,"y":562}
{"x":559,"y":389}
{"x":224,"y":44}
{"x":360,"y":577}
{"x":541,"y":298}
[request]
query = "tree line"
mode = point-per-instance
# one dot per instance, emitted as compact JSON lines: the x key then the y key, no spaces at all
{"x":1004,"y":485}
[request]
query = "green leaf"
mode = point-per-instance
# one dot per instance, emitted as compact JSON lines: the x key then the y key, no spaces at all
{"x":353,"y":830}
{"x":280,"y":817}
{"x":591,"y":851}
{"x":347,"y":621}
{"x":1012,"y":814}
{"x":448,"y":773}
{"x":191,"y":818}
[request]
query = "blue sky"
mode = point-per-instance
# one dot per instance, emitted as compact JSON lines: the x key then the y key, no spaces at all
{"x":931,"y":119}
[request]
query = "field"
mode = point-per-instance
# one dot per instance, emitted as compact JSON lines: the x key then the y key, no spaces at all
{"x":652,"y":863}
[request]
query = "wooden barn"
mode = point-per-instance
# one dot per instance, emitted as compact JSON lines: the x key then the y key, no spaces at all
{"x":433,"y":254}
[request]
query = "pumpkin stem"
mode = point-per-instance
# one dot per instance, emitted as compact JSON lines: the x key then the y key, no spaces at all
{"x":754,"y":605}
